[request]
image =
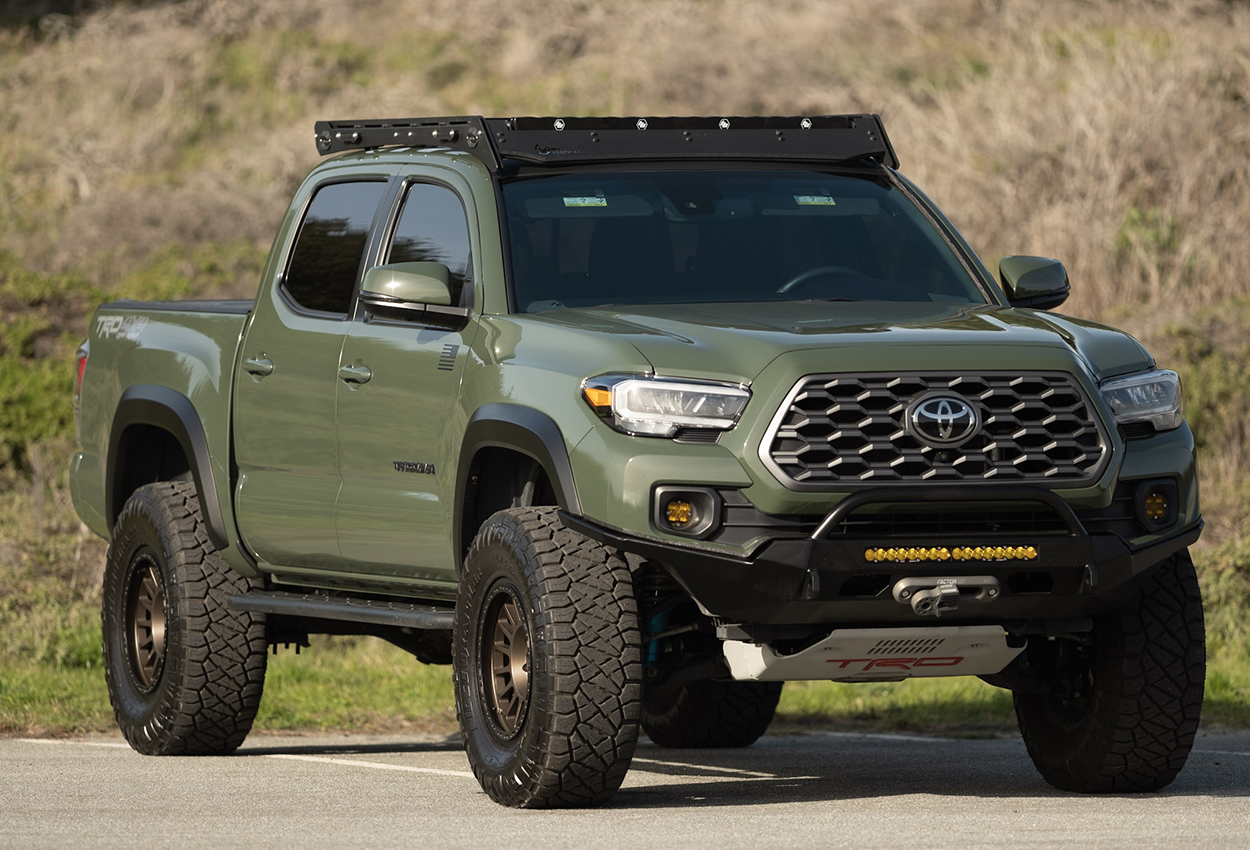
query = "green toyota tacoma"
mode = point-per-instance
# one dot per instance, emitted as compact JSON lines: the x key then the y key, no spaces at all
{"x":631,"y":421}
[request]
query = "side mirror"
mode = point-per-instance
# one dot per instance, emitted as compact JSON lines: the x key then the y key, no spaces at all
{"x":1038,"y":282}
{"x":400,"y":285}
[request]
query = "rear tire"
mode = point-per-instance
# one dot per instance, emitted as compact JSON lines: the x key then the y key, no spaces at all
{"x":184,"y":672}
{"x":547,"y":665}
{"x":710,"y":713}
{"x":1128,"y":720}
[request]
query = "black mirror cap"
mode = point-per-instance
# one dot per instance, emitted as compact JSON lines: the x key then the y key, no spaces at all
{"x":1037,"y":282}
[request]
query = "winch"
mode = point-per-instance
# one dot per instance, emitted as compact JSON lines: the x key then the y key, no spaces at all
{"x":938,"y":595}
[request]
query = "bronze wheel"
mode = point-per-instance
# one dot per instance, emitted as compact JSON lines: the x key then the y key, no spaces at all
{"x":145,"y":619}
{"x":184,"y":671}
{"x":546,"y":663}
{"x":505,"y":661}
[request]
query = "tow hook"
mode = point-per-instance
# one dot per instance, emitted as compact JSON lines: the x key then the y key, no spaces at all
{"x":938,"y":595}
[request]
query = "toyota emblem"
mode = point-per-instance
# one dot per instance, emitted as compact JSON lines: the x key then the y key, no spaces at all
{"x":943,"y":420}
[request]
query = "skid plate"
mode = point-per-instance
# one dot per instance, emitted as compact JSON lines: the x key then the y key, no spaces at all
{"x":878,"y":655}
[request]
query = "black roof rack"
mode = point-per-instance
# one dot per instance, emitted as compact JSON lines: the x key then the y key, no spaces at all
{"x":560,"y":141}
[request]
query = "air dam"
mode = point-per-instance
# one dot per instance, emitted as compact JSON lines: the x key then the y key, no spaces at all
{"x":878,"y":655}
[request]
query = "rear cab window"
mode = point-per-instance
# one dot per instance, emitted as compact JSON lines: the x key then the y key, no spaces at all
{"x":325,"y":262}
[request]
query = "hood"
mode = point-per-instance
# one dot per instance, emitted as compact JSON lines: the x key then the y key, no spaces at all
{"x":736,"y":341}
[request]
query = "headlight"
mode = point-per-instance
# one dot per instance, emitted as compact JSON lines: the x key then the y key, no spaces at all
{"x":658,"y":407}
{"x":1153,"y":397}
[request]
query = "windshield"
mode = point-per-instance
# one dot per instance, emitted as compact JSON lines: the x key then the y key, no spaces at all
{"x":665,"y":237}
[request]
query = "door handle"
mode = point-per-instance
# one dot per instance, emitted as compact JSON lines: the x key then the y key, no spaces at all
{"x":258,"y":366}
{"x":355,"y":374}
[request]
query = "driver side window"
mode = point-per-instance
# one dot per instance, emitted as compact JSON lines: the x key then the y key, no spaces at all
{"x":432,"y":227}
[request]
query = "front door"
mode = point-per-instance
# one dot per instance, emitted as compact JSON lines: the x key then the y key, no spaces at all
{"x":397,"y":428}
{"x":287,"y":379}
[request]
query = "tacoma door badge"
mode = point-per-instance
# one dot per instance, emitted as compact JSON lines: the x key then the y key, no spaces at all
{"x":942,"y":420}
{"x":413,"y":466}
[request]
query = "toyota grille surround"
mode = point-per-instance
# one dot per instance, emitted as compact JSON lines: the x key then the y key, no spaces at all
{"x":873,"y":439}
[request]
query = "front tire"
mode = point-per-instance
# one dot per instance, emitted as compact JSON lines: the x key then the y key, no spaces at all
{"x":1126,"y":719}
{"x":709,"y":713}
{"x":184,"y":672}
{"x":547,"y":665}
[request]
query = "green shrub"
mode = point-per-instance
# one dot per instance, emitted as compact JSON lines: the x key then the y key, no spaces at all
{"x":189,"y":271}
{"x":51,"y":631}
{"x":1213,"y":356}
{"x":42,"y":317}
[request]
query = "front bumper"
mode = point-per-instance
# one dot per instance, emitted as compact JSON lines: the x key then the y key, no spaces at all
{"x":827,"y":578}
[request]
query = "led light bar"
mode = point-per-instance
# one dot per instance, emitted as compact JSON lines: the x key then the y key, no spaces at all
{"x":958,"y":553}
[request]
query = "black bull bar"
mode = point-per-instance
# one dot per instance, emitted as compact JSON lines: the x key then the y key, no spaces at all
{"x":829,"y":578}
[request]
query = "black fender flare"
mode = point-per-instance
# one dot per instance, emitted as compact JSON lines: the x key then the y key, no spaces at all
{"x":526,"y":430}
{"x":173,"y":412}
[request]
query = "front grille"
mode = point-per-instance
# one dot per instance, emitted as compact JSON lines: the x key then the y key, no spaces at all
{"x":844,"y":429}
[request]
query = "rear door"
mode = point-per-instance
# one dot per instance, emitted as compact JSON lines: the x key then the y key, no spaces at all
{"x":287,"y":381}
{"x":397,"y":430}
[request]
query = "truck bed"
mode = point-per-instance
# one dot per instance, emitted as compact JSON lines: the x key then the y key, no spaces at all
{"x":146,"y":357}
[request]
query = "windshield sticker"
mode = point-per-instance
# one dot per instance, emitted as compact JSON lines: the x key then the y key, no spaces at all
{"x":586,"y":201}
{"x":815,"y":201}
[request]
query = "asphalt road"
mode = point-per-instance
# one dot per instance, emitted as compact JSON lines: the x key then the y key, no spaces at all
{"x":810,"y":791}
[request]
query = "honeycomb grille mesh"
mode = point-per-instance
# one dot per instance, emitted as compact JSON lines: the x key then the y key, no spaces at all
{"x":852,"y":429}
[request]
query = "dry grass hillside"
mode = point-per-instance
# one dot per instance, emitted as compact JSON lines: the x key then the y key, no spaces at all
{"x":149,"y":148}
{"x":1113,"y":135}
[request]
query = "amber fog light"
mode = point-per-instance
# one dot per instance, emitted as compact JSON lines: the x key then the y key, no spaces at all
{"x":679,"y":513}
{"x":1157,"y":506}
{"x":688,"y":511}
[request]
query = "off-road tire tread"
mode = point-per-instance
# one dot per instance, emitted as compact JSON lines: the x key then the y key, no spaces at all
{"x":1150,"y":708}
{"x":586,"y":685}
{"x":715,"y":714}
{"x":215,"y":658}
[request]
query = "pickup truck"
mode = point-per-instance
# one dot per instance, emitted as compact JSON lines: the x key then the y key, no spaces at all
{"x":631,"y":420}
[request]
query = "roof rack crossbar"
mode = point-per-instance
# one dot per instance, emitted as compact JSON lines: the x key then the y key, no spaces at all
{"x":551,"y":141}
